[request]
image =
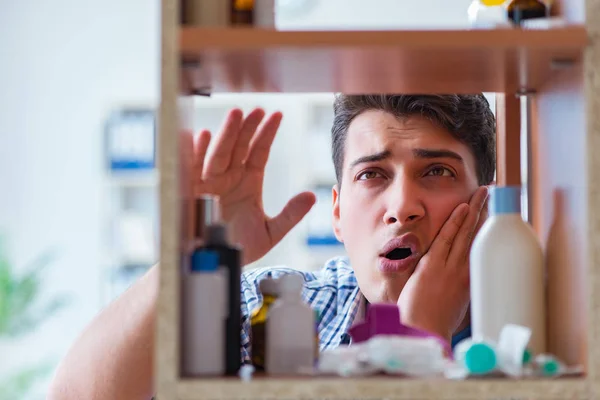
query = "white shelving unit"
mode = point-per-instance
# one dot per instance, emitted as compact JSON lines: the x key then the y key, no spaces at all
{"x":130,"y":190}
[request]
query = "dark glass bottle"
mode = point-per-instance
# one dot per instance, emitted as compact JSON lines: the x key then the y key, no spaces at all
{"x":215,"y":238}
{"x":229,"y":257}
{"x":519,"y":10}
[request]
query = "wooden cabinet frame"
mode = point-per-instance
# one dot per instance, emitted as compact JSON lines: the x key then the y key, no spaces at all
{"x":560,"y":69}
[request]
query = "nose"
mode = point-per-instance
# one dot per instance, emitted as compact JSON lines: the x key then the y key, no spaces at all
{"x":404,"y":203}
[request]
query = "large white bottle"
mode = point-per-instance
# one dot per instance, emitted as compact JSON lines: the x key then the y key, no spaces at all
{"x":290,"y":330}
{"x":507,"y":272}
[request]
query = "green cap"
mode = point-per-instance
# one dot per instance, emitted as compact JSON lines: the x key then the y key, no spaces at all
{"x":550,"y":368}
{"x":527,"y":356}
{"x":480,"y":359}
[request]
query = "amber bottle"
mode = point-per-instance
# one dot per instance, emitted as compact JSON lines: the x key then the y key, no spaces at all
{"x":242,"y":12}
{"x":258,"y":321}
{"x":519,"y":10}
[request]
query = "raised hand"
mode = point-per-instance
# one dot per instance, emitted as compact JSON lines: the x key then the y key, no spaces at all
{"x":234,"y":170}
{"x":436,"y":296}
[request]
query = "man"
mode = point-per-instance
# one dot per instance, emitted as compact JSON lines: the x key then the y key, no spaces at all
{"x":410,"y":196}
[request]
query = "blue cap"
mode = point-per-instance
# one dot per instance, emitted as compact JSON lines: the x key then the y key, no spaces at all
{"x":505,"y":200}
{"x":205,"y":261}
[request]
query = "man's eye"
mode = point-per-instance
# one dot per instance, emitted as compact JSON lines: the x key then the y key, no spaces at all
{"x":440,"y":171}
{"x":368,"y":175}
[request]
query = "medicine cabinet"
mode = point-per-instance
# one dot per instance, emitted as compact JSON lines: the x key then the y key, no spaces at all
{"x":548,"y":85}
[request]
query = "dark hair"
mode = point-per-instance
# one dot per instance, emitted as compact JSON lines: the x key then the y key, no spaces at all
{"x":467,"y":117}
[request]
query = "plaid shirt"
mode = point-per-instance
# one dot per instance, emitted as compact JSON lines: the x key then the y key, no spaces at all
{"x":332,"y":291}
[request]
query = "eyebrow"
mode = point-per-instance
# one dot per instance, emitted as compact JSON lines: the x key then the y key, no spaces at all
{"x":435,"y":153}
{"x":382,"y":155}
{"x":418,"y":153}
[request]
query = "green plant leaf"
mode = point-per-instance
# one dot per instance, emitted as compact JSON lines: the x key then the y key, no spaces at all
{"x":6,"y":289}
{"x":33,"y":318}
{"x":26,"y":289}
{"x":20,"y":312}
{"x":18,"y":385}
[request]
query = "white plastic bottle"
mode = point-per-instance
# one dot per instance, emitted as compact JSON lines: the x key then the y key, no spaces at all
{"x":507,"y":272}
{"x":488,"y":14}
{"x":205,"y":309}
{"x":290,"y":330}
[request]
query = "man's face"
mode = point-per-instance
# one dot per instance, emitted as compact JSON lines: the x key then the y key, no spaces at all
{"x":401,"y":181}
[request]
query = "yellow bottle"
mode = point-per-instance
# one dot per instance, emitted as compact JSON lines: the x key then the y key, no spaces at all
{"x":258,"y":322}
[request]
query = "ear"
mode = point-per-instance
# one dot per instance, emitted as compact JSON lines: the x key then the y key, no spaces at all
{"x":337,"y":229}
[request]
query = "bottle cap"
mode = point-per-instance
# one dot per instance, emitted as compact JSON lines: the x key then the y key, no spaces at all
{"x":550,"y":367}
{"x":207,"y":213}
{"x":246,"y":372}
{"x":216,"y":235}
{"x":291,"y":284}
{"x":480,"y":359}
{"x":492,"y":2}
{"x":527,"y":356}
{"x":205,"y":261}
{"x":269,"y":286}
{"x":505,"y":200}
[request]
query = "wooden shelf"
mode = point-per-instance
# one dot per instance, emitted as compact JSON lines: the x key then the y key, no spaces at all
{"x":375,"y":388}
{"x":563,"y":130}
{"x":440,"y":61}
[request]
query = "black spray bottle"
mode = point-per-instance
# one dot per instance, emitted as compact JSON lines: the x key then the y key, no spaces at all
{"x":215,"y":238}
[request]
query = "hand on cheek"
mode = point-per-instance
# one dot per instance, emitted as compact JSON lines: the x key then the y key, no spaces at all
{"x":436,"y":296}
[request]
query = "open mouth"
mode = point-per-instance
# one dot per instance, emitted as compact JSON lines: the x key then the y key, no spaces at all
{"x":399,"y":253}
